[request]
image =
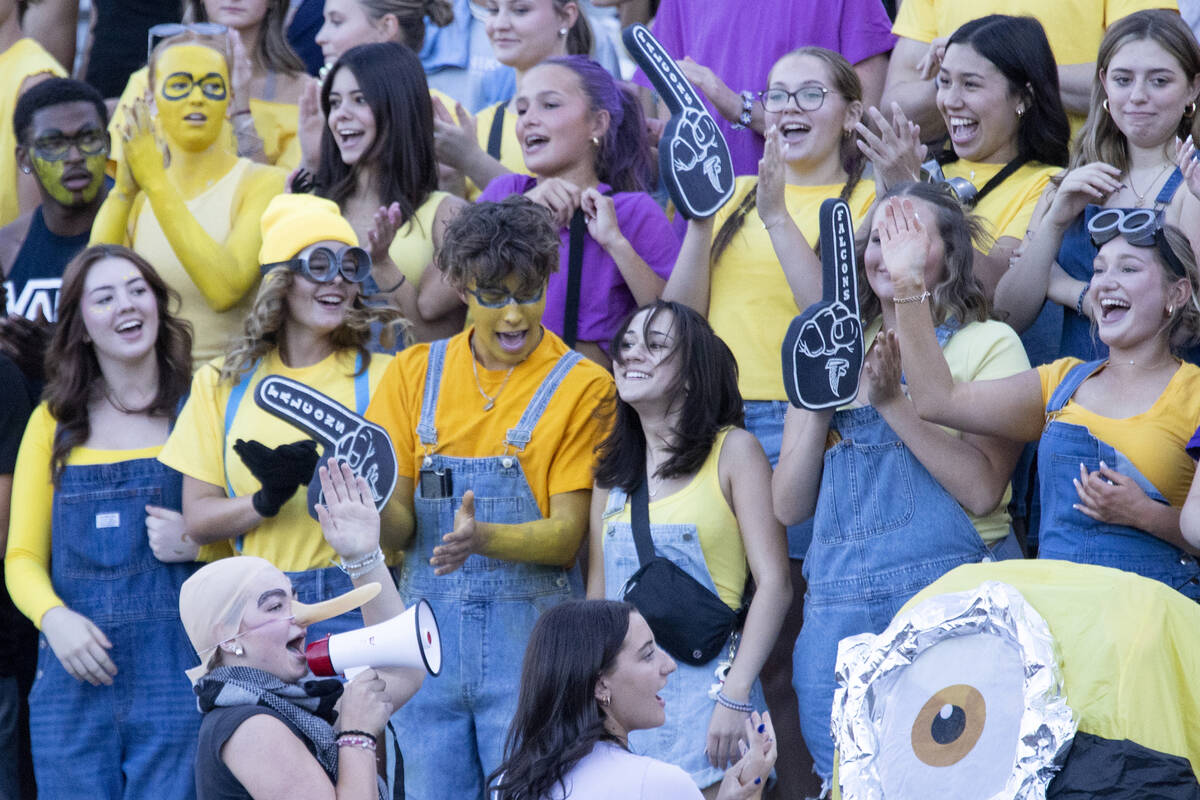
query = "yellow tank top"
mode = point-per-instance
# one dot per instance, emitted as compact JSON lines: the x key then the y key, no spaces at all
{"x":412,"y":249}
{"x":702,"y":503}
{"x":213,"y":209}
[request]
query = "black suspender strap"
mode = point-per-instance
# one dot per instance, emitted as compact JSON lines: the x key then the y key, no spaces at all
{"x":639,"y":516}
{"x":496,"y":133}
{"x":574,"y":276}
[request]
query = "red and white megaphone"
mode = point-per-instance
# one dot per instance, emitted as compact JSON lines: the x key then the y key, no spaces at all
{"x":408,"y":640}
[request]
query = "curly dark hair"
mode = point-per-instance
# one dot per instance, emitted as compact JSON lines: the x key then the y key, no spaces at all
{"x":73,"y":373}
{"x":487,"y":242}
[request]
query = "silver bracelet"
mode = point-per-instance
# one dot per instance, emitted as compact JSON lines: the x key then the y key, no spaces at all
{"x":361,"y":566}
{"x":745,"y":708}
{"x":916,"y":298}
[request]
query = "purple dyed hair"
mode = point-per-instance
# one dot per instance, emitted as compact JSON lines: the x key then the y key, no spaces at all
{"x":623,"y":158}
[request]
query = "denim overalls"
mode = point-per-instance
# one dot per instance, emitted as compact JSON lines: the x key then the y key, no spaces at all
{"x":1076,"y":255}
{"x":453,"y":730}
{"x":1068,"y":534}
{"x":319,"y":583}
{"x":681,"y":741}
{"x":883,"y":530}
{"x":136,"y":738}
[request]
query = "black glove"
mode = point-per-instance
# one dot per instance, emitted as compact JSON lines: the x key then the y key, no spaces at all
{"x":280,"y":470}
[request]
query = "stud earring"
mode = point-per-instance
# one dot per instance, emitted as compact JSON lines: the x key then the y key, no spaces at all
{"x":238,"y":651}
{"x":596,"y":141}
{"x":605,"y":700}
{"x":562,"y":32}
{"x":1020,"y":111}
{"x":26,"y":170}
{"x":1170,"y":310}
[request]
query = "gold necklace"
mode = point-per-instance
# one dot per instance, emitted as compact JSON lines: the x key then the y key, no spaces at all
{"x":1141,"y":196}
{"x":490,"y":398}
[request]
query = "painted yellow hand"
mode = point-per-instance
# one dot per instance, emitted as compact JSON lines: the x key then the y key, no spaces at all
{"x":142,"y":150}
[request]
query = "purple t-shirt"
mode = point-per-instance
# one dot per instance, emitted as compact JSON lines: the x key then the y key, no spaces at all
{"x":604,"y":299}
{"x":1193,"y":445}
{"x":740,"y":42}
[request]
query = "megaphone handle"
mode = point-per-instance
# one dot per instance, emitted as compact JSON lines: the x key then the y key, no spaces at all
{"x":353,"y":672}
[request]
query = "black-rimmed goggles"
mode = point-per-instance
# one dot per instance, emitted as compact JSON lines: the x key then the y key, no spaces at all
{"x":1141,"y":227}
{"x":323,"y":265}
{"x":166,"y":30}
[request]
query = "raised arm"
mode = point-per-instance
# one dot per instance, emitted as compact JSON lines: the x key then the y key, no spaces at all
{"x":909,"y":83}
{"x":691,"y":280}
{"x":796,"y":256}
{"x":797,"y":476}
{"x":457,"y":145}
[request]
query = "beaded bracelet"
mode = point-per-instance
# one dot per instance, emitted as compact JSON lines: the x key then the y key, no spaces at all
{"x":361,"y":566}
{"x":916,"y":298}
{"x":361,"y":742}
{"x":747,"y":112}
{"x":370,"y":736}
{"x":745,"y":708}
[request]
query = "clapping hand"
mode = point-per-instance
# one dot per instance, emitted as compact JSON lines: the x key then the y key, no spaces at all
{"x":281,"y":470}
{"x":348,"y":517}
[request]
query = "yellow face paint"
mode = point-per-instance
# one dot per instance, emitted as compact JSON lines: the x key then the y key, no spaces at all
{"x":191,"y":95}
{"x":64,"y":180}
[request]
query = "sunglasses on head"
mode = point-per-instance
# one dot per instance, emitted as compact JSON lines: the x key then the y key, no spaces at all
{"x":166,"y":30}
{"x":1141,"y":227}
{"x":323,"y":265}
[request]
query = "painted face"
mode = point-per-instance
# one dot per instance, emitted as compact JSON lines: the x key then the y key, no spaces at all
{"x":524,"y":32}
{"x":505,"y":336}
{"x":810,"y":137}
{"x":120,"y":312}
{"x":555,"y":122}
{"x":638,"y":675}
{"x":977,"y":106}
{"x":191,"y":95}
{"x":236,"y":14}
{"x":351,"y":120}
{"x":270,"y":639}
{"x":319,"y":308}
{"x":1131,"y":291}
{"x":877,"y":274}
{"x":645,"y":367}
{"x":68,"y":151}
{"x":1147,"y":92}
{"x":346,"y":25}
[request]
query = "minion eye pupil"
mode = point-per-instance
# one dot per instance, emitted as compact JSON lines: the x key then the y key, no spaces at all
{"x":948,"y":724}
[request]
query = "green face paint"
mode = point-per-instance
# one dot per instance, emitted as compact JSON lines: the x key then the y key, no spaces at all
{"x":51,"y":174}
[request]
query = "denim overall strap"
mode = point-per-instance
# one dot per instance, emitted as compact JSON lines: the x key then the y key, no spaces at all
{"x":426,"y":430}
{"x":362,"y":386}
{"x":1070,"y":382}
{"x":519,"y":436}
{"x":1167,"y":193}
{"x":681,"y":740}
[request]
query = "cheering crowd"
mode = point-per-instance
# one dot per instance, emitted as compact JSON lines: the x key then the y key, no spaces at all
{"x":448,"y":218}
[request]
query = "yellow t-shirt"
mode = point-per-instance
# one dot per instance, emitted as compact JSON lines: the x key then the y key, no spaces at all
{"x":199,"y":448}
{"x":1155,"y":440}
{"x":1007,"y":208}
{"x":980,"y":351}
{"x":27,"y":562}
{"x":1073,"y":27}
{"x":558,"y":458}
{"x":751,"y":303}
{"x":277,"y":124}
{"x":412,"y":249}
{"x":702,"y":503}
{"x":24,"y":59}
{"x":511,"y":154}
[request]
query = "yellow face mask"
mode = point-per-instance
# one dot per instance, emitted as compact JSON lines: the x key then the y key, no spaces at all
{"x":192,"y":94}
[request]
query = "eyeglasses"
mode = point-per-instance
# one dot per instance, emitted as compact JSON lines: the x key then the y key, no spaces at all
{"x":808,"y":98}
{"x":166,"y":30}
{"x":1141,"y":227}
{"x":56,"y":146}
{"x":323,"y":265}
{"x":179,"y":85}
{"x":499,"y":298}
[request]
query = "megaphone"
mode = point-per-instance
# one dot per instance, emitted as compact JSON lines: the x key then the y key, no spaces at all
{"x":410,"y":639}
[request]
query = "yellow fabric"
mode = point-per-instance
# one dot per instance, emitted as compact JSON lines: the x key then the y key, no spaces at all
{"x":702,"y":503}
{"x":981,"y":351}
{"x":24,"y":59}
{"x":277,"y":124}
{"x":558,"y":458}
{"x":215,"y":210}
{"x":511,"y":154}
{"x":1128,"y":646}
{"x":1073,"y":27}
{"x":1007,"y":208}
{"x":198,"y":448}
{"x":292,"y":222}
{"x":752,"y":304}
{"x":1154,"y":440}
{"x":27,"y":562}
{"x":412,"y":249}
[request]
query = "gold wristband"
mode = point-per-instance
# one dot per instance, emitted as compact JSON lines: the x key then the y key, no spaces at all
{"x":916,"y":298}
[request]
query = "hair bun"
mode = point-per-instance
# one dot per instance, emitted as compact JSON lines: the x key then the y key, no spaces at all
{"x":440,"y":12}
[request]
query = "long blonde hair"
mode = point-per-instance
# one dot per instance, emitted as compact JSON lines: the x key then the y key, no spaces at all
{"x":265,"y":327}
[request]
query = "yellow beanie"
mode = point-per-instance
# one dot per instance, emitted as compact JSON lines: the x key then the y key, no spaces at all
{"x":294,"y":221}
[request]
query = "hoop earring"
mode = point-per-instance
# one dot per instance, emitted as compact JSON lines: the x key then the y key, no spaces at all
{"x":1104,"y":105}
{"x":1170,"y":310}
{"x":1190,"y":109}
{"x":605,"y":700}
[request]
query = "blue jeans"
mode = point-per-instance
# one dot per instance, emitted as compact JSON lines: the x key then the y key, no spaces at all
{"x":764,"y":418}
{"x":137,"y":737}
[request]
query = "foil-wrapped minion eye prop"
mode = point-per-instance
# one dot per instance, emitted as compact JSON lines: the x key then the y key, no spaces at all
{"x":1024,"y":679}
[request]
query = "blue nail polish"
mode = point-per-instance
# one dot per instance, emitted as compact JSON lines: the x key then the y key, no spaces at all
{"x":757,"y":781}
{"x":762,"y":728}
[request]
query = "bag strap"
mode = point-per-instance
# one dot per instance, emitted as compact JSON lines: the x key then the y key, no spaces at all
{"x":496,"y":132}
{"x":639,"y":517}
{"x":574,"y":277}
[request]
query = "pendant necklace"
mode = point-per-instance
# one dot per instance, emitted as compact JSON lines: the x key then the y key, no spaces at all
{"x":489,"y":398}
{"x":1141,"y":197}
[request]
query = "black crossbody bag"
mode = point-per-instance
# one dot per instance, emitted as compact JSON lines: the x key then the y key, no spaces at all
{"x":689,"y":622}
